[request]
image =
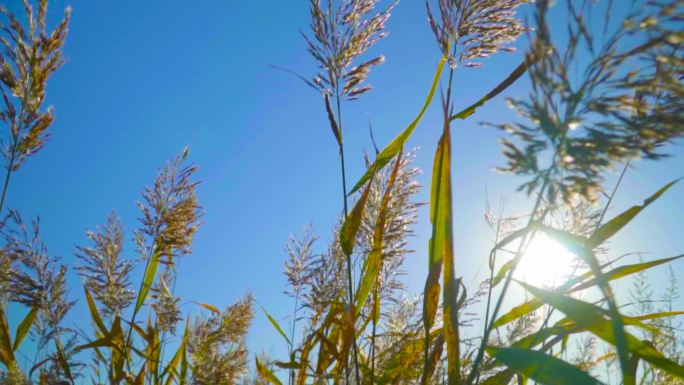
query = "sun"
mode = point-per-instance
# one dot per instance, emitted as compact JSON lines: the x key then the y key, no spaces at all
{"x":546,"y":263}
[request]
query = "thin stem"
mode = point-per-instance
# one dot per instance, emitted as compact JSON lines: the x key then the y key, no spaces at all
{"x":10,"y":166}
{"x":491,"y":276}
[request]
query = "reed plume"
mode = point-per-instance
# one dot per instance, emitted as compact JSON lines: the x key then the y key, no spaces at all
{"x":105,"y":273}
{"x":217,"y":346}
{"x":342,"y":31}
{"x":468,"y":31}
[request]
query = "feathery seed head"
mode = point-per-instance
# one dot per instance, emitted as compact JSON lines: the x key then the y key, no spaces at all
{"x":474,"y":29}
{"x":106,"y":275}
{"x":28,"y":56}
{"x":170,"y":212}
{"x":342,"y":31}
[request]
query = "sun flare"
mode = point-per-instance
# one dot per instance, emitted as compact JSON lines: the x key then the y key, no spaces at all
{"x":546,"y":262}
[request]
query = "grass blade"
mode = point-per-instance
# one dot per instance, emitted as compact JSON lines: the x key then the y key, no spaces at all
{"x":542,"y":367}
{"x":333,"y":122}
{"x":397,"y":144}
{"x":588,"y":317}
{"x":442,"y":254}
{"x":209,"y":307}
{"x":24,"y":327}
{"x":579,"y":245}
{"x":614,"y":225}
{"x":6,"y":351}
{"x":626,"y":270}
{"x":618,"y":272}
{"x":373,"y":263}
{"x":266,"y":373}
{"x":501,"y":274}
{"x":148,"y":280}
{"x":510,"y":79}
{"x":94,"y":312}
{"x":274,"y":323}
{"x":353,"y":221}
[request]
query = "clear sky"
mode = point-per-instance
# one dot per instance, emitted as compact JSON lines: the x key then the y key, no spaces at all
{"x":143,"y":79}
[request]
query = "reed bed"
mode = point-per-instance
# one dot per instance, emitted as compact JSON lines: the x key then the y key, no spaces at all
{"x":603,"y":99}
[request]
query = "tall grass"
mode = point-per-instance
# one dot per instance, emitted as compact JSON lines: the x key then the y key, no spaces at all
{"x":603,"y":99}
{"x":606,"y":97}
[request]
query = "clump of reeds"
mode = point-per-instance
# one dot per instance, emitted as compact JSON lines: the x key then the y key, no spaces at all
{"x":564,"y":209}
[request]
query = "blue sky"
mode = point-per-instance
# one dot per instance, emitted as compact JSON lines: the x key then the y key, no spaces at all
{"x":144,"y":79}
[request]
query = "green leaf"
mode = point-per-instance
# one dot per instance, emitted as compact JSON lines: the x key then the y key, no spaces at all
{"x":398,"y":143}
{"x":62,"y":359}
{"x":171,"y":367}
{"x":209,"y":307}
{"x":266,"y":373}
{"x":618,"y":272}
{"x":94,"y":312}
{"x":148,"y":280}
{"x":442,"y":250}
{"x":623,"y":271}
{"x":516,"y":313}
{"x":24,"y":327}
{"x":274,"y":323}
{"x":510,"y":79}
{"x":587,"y":316}
{"x":614,"y":225}
{"x":541,"y":367}
{"x":333,"y":122}
{"x":502,"y":378}
{"x":6,"y":351}
{"x":581,"y":246}
{"x":372,"y":265}
{"x":353,"y":221}
{"x":502,"y":273}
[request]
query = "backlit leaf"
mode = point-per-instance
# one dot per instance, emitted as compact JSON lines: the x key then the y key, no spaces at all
{"x":397,"y":144}
{"x":614,"y":225}
{"x":542,"y":367}
{"x":24,"y":327}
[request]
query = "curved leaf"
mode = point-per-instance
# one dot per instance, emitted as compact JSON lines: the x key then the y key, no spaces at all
{"x":353,"y":221}
{"x":510,"y":79}
{"x":398,"y":143}
{"x":588,"y":317}
{"x":24,"y":327}
{"x":614,"y":225}
{"x":94,"y":312}
{"x":541,"y":367}
{"x":266,"y":373}
{"x":274,"y":323}
{"x":148,"y":280}
{"x":6,"y":351}
{"x":373,"y":262}
{"x":502,"y":272}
